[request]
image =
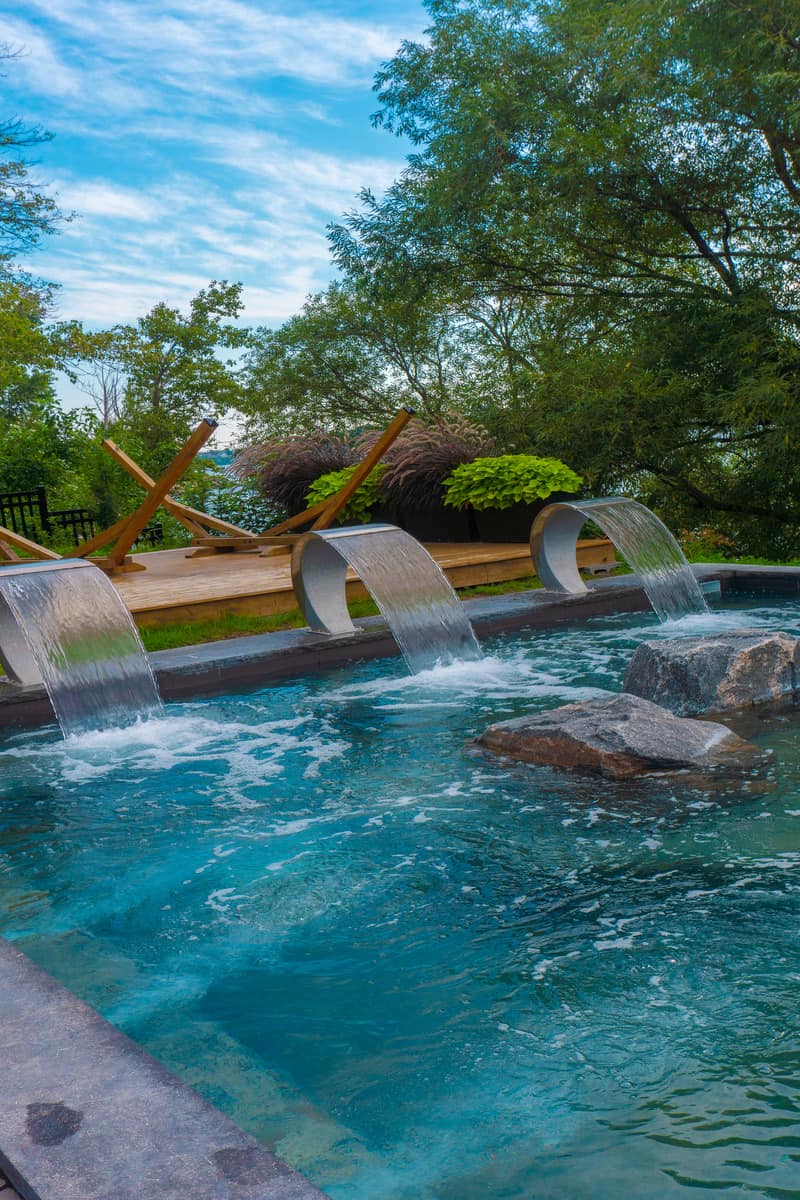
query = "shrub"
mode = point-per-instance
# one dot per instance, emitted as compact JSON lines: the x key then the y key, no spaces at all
{"x":418,"y":463}
{"x":285,"y":469}
{"x":506,"y":480}
{"x":359,"y":507}
{"x":707,"y":545}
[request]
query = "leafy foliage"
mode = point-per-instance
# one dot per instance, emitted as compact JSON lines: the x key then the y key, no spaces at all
{"x":173,"y":373}
{"x":353,"y":355}
{"x":209,"y":488}
{"x":606,"y":199}
{"x":506,"y":480}
{"x":359,"y":507}
{"x":25,"y":212}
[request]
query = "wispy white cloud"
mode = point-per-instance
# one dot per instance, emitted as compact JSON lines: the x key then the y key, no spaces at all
{"x":204,"y":45}
{"x":198,"y":139}
{"x":98,"y":197}
{"x":39,"y":60}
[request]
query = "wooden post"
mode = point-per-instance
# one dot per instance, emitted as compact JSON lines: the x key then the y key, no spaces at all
{"x":140,"y":517}
{"x":337,"y":502}
{"x":191,"y":518}
{"x":125,"y":531}
{"x":9,"y":538}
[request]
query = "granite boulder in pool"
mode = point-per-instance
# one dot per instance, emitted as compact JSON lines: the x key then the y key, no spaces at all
{"x":713,"y":674}
{"x":619,"y":737}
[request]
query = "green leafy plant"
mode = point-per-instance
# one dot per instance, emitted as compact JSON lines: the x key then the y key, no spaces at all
{"x":506,"y":480}
{"x":360,"y":505}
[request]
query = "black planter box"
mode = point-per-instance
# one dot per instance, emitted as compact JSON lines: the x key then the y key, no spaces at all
{"x":508,"y":524}
{"x":434,"y":523}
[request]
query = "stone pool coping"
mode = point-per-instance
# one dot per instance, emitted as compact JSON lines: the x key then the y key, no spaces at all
{"x":85,"y":1114}
{"x":257,"y":661}
{"x":6,"y":1190}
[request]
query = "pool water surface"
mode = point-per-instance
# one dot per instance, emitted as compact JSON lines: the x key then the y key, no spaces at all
{"x":417,"y":972}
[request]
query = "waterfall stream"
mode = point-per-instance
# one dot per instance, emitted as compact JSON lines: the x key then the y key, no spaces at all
{"x":64,"y":624}
{"x":642,"y":539}
{"x":420,"y":607}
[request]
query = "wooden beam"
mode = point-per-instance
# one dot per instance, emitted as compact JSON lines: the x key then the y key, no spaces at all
{"x":137,"y":520}
{"x":324,"y":513}
{"x":337,"y":502}
{"x":152,"y":501}
{"x":22,"y":543}
{"x":191,"y":518}
{"x":103,"y":538}
{"x":300,"y":519}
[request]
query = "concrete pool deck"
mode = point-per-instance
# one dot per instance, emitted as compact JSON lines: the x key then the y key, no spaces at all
{"x":6,"y":1190}
{"x":85,"y":1114}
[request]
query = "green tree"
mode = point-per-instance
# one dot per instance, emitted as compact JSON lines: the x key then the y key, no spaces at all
{"x":627,"y":172}
{"x":174,"y":372}
{"x":353,"y":355}
{"x":26,"y":213}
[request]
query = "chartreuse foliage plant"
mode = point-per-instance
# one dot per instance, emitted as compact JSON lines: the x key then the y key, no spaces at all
{"x":506,"y":480}
{"x":360,"y":505}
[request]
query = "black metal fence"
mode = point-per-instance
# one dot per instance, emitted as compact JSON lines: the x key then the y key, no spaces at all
{"x":27,"y":514}
{"x":151,"y":535}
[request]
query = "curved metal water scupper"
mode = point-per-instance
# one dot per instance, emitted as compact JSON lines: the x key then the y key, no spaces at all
{"x":641,"y":538}
{"x":420,"y":606}
{"x":63,"y":624}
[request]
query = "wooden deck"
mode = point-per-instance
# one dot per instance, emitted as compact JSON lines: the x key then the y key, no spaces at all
{"x":175,"y":587}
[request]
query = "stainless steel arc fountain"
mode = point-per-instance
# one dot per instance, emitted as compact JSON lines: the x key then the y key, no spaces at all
{"x":421,"y":608}
{"x":64,"y":625}
{"x":641,"y":538}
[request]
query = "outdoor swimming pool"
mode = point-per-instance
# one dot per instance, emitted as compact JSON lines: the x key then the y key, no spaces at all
{"x":417,"y":972}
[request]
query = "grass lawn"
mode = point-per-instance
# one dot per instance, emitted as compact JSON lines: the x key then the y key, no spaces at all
{"x":192,"y":633}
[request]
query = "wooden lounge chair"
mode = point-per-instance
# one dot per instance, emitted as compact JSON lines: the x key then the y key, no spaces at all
{"x":229,"y":538}
{"x":118,"y":539}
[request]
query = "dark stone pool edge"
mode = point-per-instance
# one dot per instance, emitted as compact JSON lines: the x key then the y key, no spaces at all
{"x":85,"y":1114}
{"x":257,"y":661}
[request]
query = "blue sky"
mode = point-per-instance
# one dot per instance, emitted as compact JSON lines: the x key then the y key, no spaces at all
{"x":198,"y":140}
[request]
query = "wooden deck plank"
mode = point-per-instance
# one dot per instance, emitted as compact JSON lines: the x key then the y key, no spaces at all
{"x":176,"y":587}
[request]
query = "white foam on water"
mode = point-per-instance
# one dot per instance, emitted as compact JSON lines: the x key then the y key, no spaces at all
{"x":517,"y":676}
{"x":252,"y":753}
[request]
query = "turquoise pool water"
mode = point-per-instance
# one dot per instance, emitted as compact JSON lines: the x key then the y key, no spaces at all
{"x":417,"y":972}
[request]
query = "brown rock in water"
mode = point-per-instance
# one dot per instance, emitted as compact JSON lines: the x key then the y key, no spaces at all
{"x":618,"y":737}
{"x":713,"y":674}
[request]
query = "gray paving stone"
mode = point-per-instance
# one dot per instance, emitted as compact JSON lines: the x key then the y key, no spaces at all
{"x":85,"y":1114}
{"x":6,"y":1190}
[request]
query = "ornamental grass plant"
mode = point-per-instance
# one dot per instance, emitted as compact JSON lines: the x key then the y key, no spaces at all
{"x":426,"y":453}
{"x":286,"y":468}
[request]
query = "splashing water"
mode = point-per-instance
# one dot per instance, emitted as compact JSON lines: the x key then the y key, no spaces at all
{"x":649,"y":549}
{"x":422,"y":610}
{"x":84,"y":644}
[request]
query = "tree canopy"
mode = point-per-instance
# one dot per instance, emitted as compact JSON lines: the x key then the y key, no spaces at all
{"x":624,"y":177}
{"x":592,"y":250}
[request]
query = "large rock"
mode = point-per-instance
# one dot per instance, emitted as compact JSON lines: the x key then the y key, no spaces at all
{"x":620,"y":737}
{"x":713,"y":674}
